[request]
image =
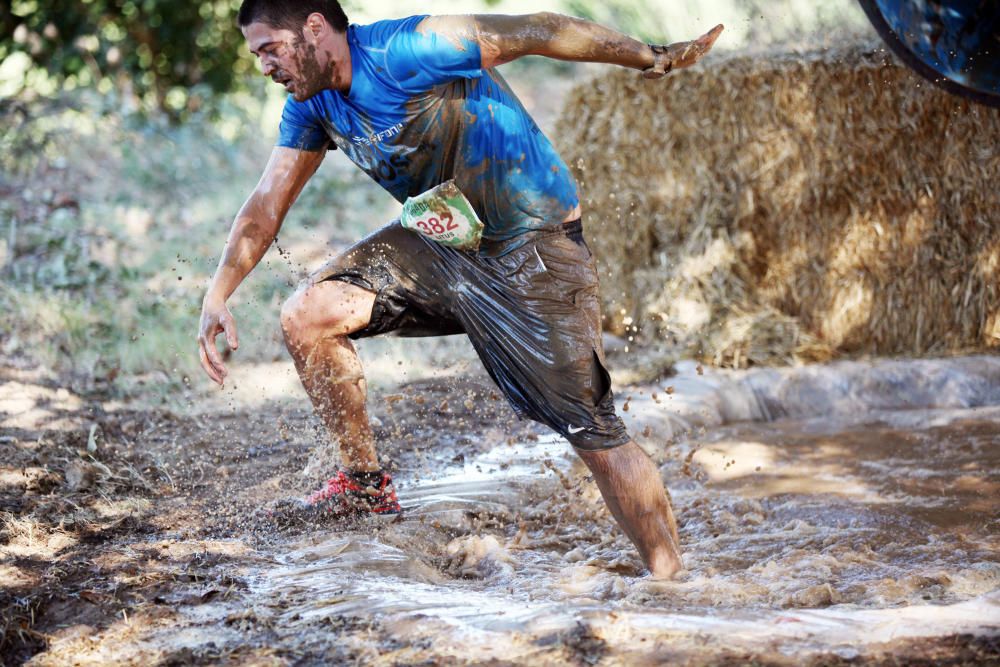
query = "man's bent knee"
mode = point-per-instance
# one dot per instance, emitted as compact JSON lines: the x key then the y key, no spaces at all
{"x":330,"y":308}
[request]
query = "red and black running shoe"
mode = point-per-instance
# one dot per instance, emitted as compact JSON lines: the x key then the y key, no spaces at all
{"x":357,"y":495}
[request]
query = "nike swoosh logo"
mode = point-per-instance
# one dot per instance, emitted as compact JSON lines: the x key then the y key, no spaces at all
{"x":574,"y":431}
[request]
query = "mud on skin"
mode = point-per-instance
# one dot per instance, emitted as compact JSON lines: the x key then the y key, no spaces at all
{"x":505,"y":38}
{"x":315,"y":77}
{"x":236,"y":255}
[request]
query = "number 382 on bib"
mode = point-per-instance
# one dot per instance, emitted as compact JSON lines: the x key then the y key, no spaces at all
{"x":445,"y":216}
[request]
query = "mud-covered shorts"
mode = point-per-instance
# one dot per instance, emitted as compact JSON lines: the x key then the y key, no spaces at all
{"x":528,"y":305}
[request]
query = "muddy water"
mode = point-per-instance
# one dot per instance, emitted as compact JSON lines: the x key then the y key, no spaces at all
{"x":819,"y":534}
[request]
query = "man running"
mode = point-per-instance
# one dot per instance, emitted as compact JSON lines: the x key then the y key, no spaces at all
{"x":489,"y":245}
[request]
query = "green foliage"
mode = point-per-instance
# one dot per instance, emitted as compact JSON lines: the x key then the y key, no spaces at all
{"x":90,"y":278}
{"x":177,"y":55}
{"x":172,"y":53}
{"x":111,"y":225}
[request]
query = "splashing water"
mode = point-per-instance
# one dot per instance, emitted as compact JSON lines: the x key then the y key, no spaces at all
{"x":869,"y":514}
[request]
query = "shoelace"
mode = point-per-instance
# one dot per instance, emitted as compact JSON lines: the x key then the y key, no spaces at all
{"x":335,"y":486}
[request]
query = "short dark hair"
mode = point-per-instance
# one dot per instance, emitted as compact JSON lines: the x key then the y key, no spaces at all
{"x":291,"y":14}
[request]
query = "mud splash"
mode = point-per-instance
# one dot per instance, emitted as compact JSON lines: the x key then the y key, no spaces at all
{"x":861,"y":526}
{"x":828,"y":535}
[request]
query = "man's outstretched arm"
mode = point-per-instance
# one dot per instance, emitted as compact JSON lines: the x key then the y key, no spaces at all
{"x":504,"y":38}
{"x":253,"y":231}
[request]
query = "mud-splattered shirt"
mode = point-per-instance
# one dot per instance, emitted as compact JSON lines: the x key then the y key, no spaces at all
{"x":422,"y":111}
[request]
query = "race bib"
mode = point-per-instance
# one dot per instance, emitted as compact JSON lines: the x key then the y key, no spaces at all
{"x":444,"y":215}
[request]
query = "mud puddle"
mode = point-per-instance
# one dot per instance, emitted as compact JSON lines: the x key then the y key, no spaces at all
{"x":835,"y":514}
{"x":811,"y":537}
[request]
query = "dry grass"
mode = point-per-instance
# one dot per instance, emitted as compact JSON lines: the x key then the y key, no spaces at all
{"x":783,"y":206}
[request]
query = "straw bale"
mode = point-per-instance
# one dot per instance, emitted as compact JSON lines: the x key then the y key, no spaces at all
{"x":791,"y":206}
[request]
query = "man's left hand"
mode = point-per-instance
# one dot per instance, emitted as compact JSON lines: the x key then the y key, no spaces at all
{"x":681,"y":54}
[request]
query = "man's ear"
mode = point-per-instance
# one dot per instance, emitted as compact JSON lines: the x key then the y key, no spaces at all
{"x":316,"y":25}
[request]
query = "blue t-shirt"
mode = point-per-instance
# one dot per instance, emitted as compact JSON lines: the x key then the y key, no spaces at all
{"x":421,"y":111}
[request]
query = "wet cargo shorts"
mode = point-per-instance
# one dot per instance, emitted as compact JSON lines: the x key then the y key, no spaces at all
{"x":528,"y":305}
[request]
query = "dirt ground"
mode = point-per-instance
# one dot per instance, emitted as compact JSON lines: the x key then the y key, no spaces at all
{"x":121,"y":530}
{"x":151,"y":512}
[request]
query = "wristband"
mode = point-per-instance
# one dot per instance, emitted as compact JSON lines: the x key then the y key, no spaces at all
{"x":662,"y":63}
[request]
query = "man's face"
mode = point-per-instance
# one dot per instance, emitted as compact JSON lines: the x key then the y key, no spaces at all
{"x":289,"y":59}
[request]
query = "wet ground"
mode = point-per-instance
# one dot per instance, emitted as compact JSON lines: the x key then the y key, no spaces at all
{"x":846,"y":514}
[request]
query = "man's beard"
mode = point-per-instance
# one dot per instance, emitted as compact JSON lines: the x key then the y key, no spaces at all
{"x":313,"y":77}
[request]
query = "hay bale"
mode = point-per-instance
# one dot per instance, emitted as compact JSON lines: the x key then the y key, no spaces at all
{"x":783,"y":206}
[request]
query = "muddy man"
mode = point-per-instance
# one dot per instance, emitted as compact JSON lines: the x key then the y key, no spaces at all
{"x":497,"y":253}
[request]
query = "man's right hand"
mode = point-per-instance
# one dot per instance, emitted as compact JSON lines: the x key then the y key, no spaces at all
{"x":215,"y":319}
{"x":253,"y":231}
